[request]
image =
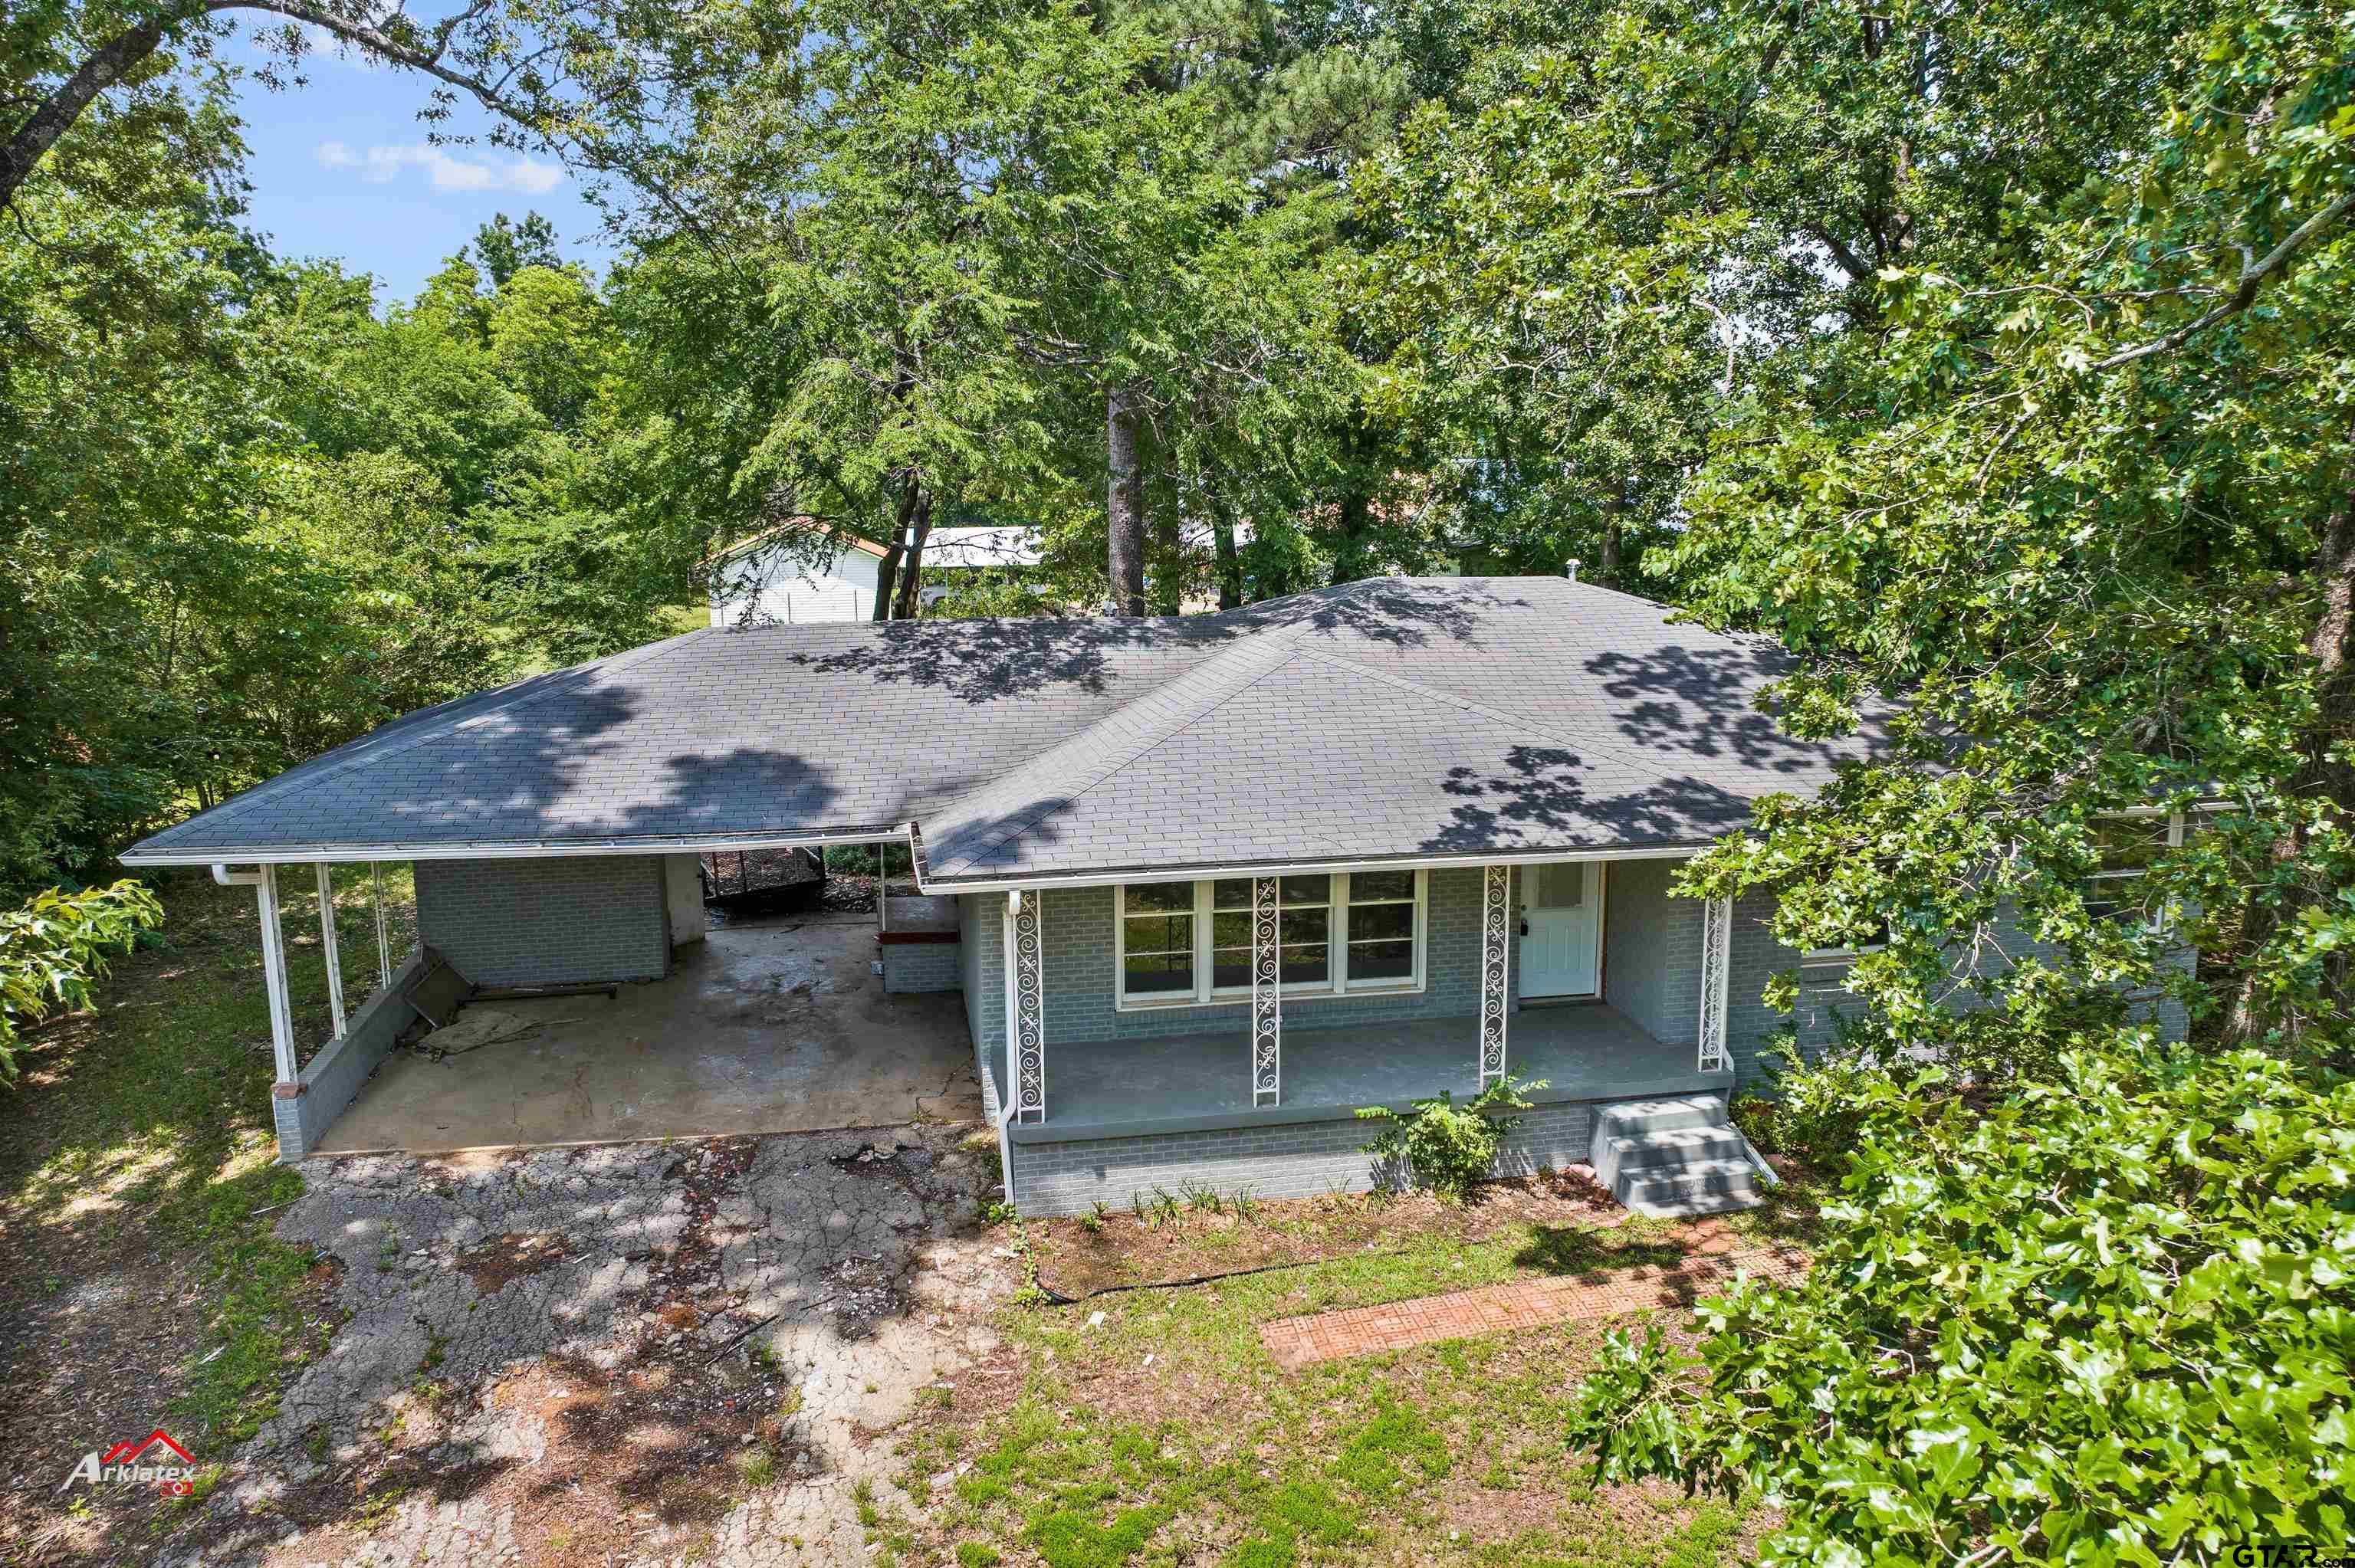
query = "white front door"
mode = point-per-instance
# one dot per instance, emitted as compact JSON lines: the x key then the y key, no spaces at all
{"x":1562,"y":930}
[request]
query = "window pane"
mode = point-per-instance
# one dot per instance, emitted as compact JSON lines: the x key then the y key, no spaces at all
{"x":1303,"y":925}
{"x":1229,"y":929}
{"x":1370,"y":921}
{"x":1231,"y":892}
{"x":1381,"y":960}
{"x":1157,"y":934}
{"x":1304,"y":964}
{"x":1560,"y":886}
{"x":2130,"y":843}
{"x":1307,"y":890}
{"x":1374,"y":886}
{"x":1230,"y":967}
{"x":1146,"y":973}
{"x":1158,"y":895}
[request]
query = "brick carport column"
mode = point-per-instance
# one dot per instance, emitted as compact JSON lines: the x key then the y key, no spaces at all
{"x":1026,"y":1009}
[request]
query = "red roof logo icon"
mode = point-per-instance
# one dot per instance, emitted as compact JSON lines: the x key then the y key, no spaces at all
{"x":129,"y":1453}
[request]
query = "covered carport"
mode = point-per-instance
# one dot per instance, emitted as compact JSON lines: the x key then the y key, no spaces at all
{"x":553,"y":826}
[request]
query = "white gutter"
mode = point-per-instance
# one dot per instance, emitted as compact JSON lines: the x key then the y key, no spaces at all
{"x":1302,"y":867}
{"x":506,"y":849}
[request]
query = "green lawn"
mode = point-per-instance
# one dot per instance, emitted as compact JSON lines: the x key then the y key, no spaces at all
{"x":152,"y":1112}
{"x":1165,"y":1435}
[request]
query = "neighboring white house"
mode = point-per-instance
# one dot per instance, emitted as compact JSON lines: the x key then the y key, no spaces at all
{"x":763,"y":582}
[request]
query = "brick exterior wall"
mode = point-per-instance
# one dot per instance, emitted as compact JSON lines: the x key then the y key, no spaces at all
{"x":913,"y":966}
{"x":1651,"y":950}
{"x":1079,"y":982}
{"x":551,"y":920}
{"x":980,"y":951}
{"x":1299,"y":1160}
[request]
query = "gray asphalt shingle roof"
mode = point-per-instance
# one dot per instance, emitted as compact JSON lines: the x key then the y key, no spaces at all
{"x":1391,"y":717}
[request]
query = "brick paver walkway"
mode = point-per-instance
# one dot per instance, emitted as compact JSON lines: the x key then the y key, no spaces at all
{"x":1293,"y":1342}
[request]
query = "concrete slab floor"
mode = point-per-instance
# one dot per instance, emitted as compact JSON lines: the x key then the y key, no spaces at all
{"x":758,"y":1029}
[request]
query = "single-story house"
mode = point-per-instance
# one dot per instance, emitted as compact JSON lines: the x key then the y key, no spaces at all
{"x":1206,"y":884}
{"x":769,"y":578}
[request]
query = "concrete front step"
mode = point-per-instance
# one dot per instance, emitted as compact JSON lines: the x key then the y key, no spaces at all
{"x":1705,"y":1187}
{"x":1676,"y":1157}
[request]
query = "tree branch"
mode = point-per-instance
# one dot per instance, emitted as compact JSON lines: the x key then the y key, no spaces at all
{"x":2252,"y":277}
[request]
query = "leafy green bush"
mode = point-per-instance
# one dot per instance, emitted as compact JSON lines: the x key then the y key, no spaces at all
{"x":1811,"y":1112}
{"x":1448,"y":1147}
{"x":56,"y":945}
{"x":2107,"y":1319}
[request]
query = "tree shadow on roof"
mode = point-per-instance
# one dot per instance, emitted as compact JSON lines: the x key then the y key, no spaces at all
{"x":990,"y":660}
{"x":1699,"y":702}
{"x":1538,"y":799}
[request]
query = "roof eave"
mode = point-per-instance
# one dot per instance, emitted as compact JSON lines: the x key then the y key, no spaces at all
{"x":934,"y":881}
{"x":505,"y":849}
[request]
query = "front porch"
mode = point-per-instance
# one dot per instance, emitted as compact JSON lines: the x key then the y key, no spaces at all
{"x":1199,"y":1083}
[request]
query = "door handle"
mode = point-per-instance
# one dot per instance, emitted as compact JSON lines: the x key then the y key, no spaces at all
{"x":1525,"y":925}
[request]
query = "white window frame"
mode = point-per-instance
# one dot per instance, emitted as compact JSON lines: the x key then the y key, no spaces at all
{"x":1336,"y":947}
{"x":2156,"y":919}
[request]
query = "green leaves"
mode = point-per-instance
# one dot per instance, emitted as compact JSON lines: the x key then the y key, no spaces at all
{"x":52,"y":947}
{"x":1447,"y":1147}
{"x":2102,"y":1320}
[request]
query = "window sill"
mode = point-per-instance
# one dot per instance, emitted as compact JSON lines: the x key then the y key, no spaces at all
{"x":1242,"y":998}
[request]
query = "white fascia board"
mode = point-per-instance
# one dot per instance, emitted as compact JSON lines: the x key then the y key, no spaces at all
{"x":1310,"y":867}
{"x":347,"y":853}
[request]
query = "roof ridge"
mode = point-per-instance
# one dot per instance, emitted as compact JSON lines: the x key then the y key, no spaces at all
{"x":1454,"y":699}
{"x":1260,"y":644}
{"x":361,"y":752}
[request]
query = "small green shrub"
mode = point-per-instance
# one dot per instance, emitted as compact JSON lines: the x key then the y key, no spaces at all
{"x":1448,"y":1147}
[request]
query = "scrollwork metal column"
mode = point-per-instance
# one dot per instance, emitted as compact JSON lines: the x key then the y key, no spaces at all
{"x":1496,"y":926}
{"x":1027,"y":1039}
{"x":1267,"y":993}
{"x":1716,"y":959}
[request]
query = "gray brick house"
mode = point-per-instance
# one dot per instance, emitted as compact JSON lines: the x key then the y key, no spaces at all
{"x":1218,"y":880}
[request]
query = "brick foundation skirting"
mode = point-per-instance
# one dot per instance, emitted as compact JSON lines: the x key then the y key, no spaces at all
{"x":1281,"y":1159}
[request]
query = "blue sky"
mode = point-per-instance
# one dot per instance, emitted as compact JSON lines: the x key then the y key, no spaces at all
{"x":341,"y":166}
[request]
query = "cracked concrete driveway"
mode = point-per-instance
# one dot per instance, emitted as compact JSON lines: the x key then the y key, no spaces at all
{"x":627,"y":1354}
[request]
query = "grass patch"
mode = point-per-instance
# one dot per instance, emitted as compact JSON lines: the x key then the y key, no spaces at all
{"x":148,"y":1120}
{"x":1165,"y":1435}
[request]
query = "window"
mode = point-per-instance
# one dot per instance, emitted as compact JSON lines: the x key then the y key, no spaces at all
{"x":1187,"y":943}
{"x":2127,"y":847}
{"x":1847,"y":955}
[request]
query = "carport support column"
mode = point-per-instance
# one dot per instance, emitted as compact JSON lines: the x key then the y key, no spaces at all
{"x":1026,"y":1009}
{"x":1716,"y":960}
{"x":273,"y":976}
{"x":1267,"y":994}
{"x":327,"y":947}
{"x":1495,"y":950}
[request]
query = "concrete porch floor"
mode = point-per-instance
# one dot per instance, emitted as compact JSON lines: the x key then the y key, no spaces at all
{"x":1187,"y":1083}
{"x":757,"y":1029}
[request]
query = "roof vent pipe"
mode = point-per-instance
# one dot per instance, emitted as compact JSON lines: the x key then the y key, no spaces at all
{"x":1570,"y":571}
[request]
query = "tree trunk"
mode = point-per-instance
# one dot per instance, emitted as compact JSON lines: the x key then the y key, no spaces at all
{"x":2323,"y":775}
{"x":1169,"y":575}
{"x":887,"y":571}
{"x":1124,"y":503}
{"x":911,"y":564}
{"x":1614,"y":513}
{"x":106,"y":66}
{"x":1231,"y":559}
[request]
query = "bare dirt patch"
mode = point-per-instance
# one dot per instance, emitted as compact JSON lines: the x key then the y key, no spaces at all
{"x":510,"y":1256}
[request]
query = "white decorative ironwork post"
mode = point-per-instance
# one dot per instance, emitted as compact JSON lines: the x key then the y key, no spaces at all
{"x":1026,"y":1009}
{"x":1267,"y":993}
{"x":1716,"y":959}
{"x":327,"y":947}
{"x":1496,"y":927}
